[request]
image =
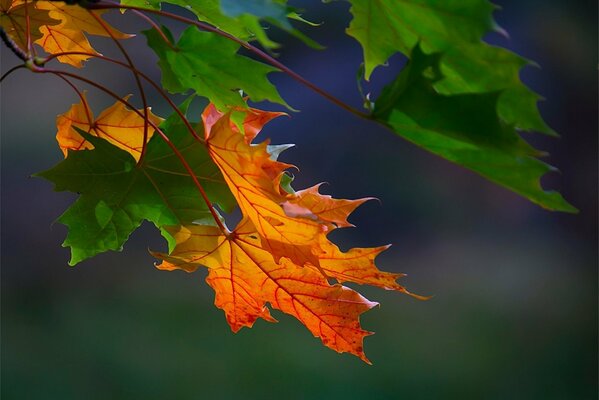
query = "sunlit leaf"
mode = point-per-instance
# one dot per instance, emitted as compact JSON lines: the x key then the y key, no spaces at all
{"x":120,"y":126}
{"x":209,"y":64}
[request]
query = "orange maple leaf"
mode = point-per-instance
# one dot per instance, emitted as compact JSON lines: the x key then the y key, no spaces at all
{"x":245,"y":277}
{"x":291,"y":225}
{"x":253,"y":178}
{"x":117,"y":124}
{"x":69,"y":34}
{"x":13,"y":19}
{"x":279,"y":254}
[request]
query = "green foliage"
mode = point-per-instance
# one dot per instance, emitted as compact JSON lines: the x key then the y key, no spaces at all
{"x":458,"y":97}
{"x":467,"y":101}
{"x":209,"y":64}
{"x":464,"y":129}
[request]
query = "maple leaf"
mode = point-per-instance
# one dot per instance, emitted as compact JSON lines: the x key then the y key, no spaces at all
{"x":117,"y":124}
{"x":485,"y":138}
{"x":455,"y":30}
{"x":69,"y":34}
{"x":209,"y":64}
{"x":13,"y":19}
{"x":292,"y":225}
{"x":117,"y":193}
{"x":465,"y":129}
{"x":245,"y":277}
{"x":252,"y":176}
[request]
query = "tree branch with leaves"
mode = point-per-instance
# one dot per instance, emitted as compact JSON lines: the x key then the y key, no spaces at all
{"x":458,"y":97}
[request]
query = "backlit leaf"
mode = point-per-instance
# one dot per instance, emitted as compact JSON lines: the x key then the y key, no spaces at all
{"x":245,"y":277}
{"x":120,"y":126}
{"x":69,"y":35}
{"x":13,"y":14}
{"x":291,"y":225}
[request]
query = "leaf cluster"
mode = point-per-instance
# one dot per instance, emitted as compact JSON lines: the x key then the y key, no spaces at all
{"x":458,"y":97}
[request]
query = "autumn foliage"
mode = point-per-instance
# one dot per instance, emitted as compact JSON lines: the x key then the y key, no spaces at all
{"x":181,"y":171}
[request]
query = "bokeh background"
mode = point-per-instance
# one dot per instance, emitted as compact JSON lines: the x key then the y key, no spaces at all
{"x":514,"y":313}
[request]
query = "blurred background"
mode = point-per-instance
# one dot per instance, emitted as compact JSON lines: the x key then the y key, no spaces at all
{"x":514,"y":313}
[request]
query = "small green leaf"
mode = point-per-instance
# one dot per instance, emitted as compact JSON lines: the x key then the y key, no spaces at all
{"x":209,"y":64}
{"x":464,"y":129}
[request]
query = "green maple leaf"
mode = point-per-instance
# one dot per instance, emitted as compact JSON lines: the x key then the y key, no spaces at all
{"x":209,"y":64}
{"x":240,"y":18}
{"x":454,"y":29}
{"x":463,"y":128}
{"x":116,"y":195}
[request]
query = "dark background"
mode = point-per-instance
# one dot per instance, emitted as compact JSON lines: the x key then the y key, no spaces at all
{"x":515,"y":307}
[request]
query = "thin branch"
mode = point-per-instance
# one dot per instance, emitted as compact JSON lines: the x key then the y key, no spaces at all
{"x":83,"y":101}
{"x":10,"y":71}
{"x":244,"y":44}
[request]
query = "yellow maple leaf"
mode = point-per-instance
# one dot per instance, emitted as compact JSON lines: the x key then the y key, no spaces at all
{"x":69,"y":34}
{"x":245,"y":277}
{"x":117,"y":124}
{"x":13,"y":19}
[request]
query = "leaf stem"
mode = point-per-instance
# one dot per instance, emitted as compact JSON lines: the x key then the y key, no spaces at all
{"x":176,"y":151}
{"x":266,"y":57}
{"x":10,"y":71}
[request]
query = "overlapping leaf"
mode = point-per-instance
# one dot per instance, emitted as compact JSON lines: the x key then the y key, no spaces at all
{"x":209,"y":64}
{"x":13,"y":19}
{"x":291,"y":225}
{"x":465,"y":67}
{"x":120,"y":126}
{"x":116,"y":195}
{"x":69,"y":34}
{"x":245,"y":278}
{"x":55,"y":26}
{"x":279,"y":254}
